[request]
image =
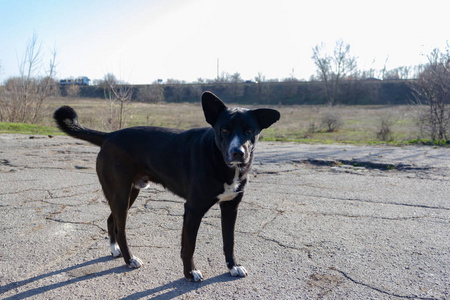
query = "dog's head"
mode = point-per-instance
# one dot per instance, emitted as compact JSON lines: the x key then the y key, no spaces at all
{"x":236,"y":129}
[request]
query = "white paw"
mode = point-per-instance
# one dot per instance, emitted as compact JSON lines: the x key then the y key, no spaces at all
{"x":135,"y":263}
{"x":115,"y":250}
{"x":197,"y":275}
{"x":238,"y":271}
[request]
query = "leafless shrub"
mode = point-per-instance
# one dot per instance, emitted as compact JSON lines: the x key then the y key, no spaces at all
{"x":386,"y":133}
{"x":331,"y":120}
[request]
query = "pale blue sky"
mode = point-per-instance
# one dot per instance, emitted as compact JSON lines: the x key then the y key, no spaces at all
{"x":141,"y":41}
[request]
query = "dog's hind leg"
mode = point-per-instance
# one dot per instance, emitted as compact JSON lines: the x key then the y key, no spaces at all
{"x":116,"y":180}
{"x":119,"y":207}
{"x":114,"y":247}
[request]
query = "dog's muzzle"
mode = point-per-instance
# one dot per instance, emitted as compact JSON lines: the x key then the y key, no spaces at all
{"x":237,"y":152}
{"x":237,"y":155}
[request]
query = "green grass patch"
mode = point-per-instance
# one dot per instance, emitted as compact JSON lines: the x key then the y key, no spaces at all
{"x":426,"y":142}
{"x":23,"y":128}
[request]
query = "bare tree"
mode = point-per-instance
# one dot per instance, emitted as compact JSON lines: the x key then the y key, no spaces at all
{"x":405,"y":72}
{"x":432,"y":88}
{"x":118,"y":94}
{"x":24,"y":96}
{"x":401,"y":73}
{"x":333,"y":68}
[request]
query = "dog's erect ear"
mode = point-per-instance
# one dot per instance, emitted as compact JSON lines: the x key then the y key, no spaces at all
{"x":212,"y":107}
{"x":266,"y":117}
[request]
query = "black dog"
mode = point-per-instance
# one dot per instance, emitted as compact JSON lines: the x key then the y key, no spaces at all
{"x":203,"y":166}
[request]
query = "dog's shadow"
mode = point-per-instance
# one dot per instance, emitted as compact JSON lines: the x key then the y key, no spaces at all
{"x":168,"y":291}
{"x":178,"y":287}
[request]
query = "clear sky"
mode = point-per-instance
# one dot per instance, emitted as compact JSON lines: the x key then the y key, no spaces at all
{"x":141,"y":41}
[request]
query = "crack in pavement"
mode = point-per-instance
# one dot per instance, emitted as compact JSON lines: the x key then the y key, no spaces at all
{"x":348,"y":277}
{"x":377,"y":202}
{"x":91,"y":223}
{"x":62,"y":207}
{"x":50,"y":193}
{"x":372,"y":217}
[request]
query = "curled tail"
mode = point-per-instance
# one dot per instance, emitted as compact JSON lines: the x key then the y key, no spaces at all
{"x":67,"y":120}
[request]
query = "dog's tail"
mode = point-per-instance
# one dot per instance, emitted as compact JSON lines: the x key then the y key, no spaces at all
{"x":67,"y":120}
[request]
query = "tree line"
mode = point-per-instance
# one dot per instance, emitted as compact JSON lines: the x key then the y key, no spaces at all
{"x":351,"y":92}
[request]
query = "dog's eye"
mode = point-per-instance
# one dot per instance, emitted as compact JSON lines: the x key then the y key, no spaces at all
{"x":249,"y":131}
{"x":225,"y":130}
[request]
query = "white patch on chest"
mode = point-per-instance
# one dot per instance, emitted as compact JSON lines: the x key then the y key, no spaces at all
{"x":230,"y":190}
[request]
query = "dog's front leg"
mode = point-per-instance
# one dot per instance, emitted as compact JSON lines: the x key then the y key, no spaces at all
{"x":191,"y":224}
{"x":229,"y":214}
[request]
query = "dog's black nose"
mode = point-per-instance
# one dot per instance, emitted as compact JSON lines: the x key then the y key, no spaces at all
{"x":237,"y":154}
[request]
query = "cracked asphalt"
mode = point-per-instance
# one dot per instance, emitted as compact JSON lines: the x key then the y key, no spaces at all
{"x":316,"y":222}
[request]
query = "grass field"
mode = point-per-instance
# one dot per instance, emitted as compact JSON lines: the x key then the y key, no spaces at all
{"x":359,"y":124}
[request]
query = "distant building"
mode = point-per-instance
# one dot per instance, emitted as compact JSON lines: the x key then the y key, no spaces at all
{"x":79,"y":81}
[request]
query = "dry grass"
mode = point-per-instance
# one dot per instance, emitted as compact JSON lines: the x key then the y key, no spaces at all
{"x":359,"y":123}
